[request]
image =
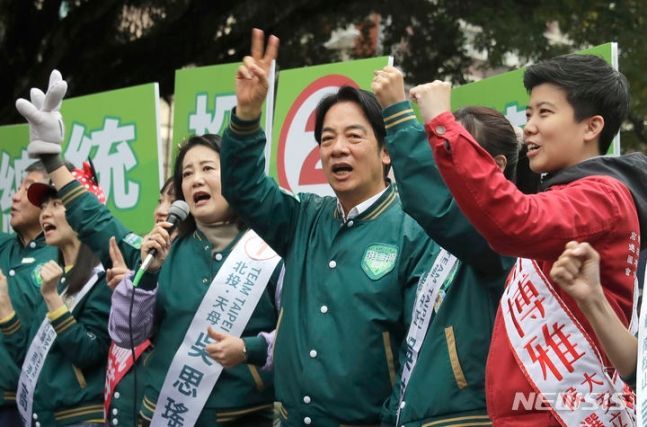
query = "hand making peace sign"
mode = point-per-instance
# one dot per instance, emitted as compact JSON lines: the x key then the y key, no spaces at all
{"x":251,"y":77}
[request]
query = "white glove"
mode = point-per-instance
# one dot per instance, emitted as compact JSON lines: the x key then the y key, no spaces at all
{"x":46,"y":129}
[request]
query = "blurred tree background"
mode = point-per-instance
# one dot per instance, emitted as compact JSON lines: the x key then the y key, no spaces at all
{"x":105,"y":44}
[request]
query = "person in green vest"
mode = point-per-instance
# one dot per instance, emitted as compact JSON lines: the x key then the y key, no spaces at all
{"x":352,"y":261}
{"x":63,"y":350}
{"x":446,"y":384}
{"x":21,"y":256}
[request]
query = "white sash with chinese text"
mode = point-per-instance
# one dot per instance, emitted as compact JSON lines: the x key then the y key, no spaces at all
{"x":38,"y":349}
{"x":227,"y":307}
{"x":556,"y":354}
{"x":444,"y":266}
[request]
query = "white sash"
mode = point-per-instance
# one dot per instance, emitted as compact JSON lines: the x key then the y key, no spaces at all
{"x":556,"y":354}
{"x":641,"y":367}
{"x":39,"y":348}
{"x":426,"y":296}
{"x":227,"y":307}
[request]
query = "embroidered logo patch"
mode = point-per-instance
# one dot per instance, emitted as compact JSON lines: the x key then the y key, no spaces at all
{"x":133,"y":240}
{"x":379,"y":259}
{"x":35,"y":275}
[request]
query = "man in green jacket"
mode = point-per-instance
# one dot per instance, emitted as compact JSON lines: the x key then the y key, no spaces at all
{"x":21,"y":256}
{"x":352,"y":262}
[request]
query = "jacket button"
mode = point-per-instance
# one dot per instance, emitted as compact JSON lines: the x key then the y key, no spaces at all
{"x":313,"y":354}
{"x":117,"y":395}
{"x":307,"y":420}
{"x":32,"y":245}
{"x":12,"y":272}
{"x":324,"y":309}
{"x":35,"y":416}
{"x":332,"y":264}
{"x":350,"y":223}
{"x":115,"y":411}
{"x":306,"y":400}
{"x":218,"y":257}
{"x":440,"y":130}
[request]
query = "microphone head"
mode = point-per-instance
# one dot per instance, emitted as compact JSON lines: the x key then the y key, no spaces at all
{"x":180,"y":210}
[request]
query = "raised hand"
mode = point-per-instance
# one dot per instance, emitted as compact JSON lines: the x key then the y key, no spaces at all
{"x":228,"y":350}
{"x":119,"y":268}
{"x":43,"y":114}
{"x":388,"y":86}
{"x":51,"y":273}
{"x":577,"y":272}
{"x":433,"y":98}
{"x":251,"y":77}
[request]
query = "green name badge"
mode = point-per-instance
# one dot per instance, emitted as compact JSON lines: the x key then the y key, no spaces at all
{"x":379,"y":259}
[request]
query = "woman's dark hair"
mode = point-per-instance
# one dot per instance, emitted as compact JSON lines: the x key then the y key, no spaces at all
{"x":497,"y":136}
{"x":213,"y":142}
{"x":82,"y":270}
{"x":168,"y":184}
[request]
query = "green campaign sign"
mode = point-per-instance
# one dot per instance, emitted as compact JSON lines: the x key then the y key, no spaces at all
{"x":294,"y":160}
{"x":13,"y":161}
{"x":119,"y":131}
{"x":204,"y":97}
{"x":506,"y":93}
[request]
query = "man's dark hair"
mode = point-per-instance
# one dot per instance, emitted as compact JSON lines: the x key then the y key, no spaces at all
{"x":368,"y":104}
{"x":37,"y":166}
{"x":592,"y":88}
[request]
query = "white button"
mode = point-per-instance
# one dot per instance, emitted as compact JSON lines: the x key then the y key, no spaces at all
{"x":218,"y":257}
{"x":403,"y":404}
{"x":115,"y":421}
{"x":63,"y":280}
{"x":204,"y":280}
{"x":32,"y":245}
{"x":206,"y":248}
{"x":115,"y":411}
{"x":117,"y":395}
{"x":350,"y":223}
{"x":313,"y":353}
{"x":332,"y":264}
{"x":35,"y":416}
{"x":306,"y":399}
{"x":324,"y":309}
{"x":12,"y":273}
{"x":440,"y":130}
{"x":307,"y":420}
{"x":37,"y":424}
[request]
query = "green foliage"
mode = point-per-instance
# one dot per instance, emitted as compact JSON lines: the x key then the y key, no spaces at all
{"x":107,"y":44}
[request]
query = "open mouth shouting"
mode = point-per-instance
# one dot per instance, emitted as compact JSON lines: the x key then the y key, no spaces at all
{"x":48,"y":228}
{"x":201,"y":198}
{"x":341,"y":170}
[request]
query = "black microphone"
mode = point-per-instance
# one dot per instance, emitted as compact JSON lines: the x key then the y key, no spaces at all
{"x":176,"y":215}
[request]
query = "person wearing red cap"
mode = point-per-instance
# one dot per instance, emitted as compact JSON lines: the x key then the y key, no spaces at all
{"x":63,"y":351}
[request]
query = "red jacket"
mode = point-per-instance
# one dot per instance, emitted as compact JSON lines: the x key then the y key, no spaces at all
{"x":596,"y":209}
